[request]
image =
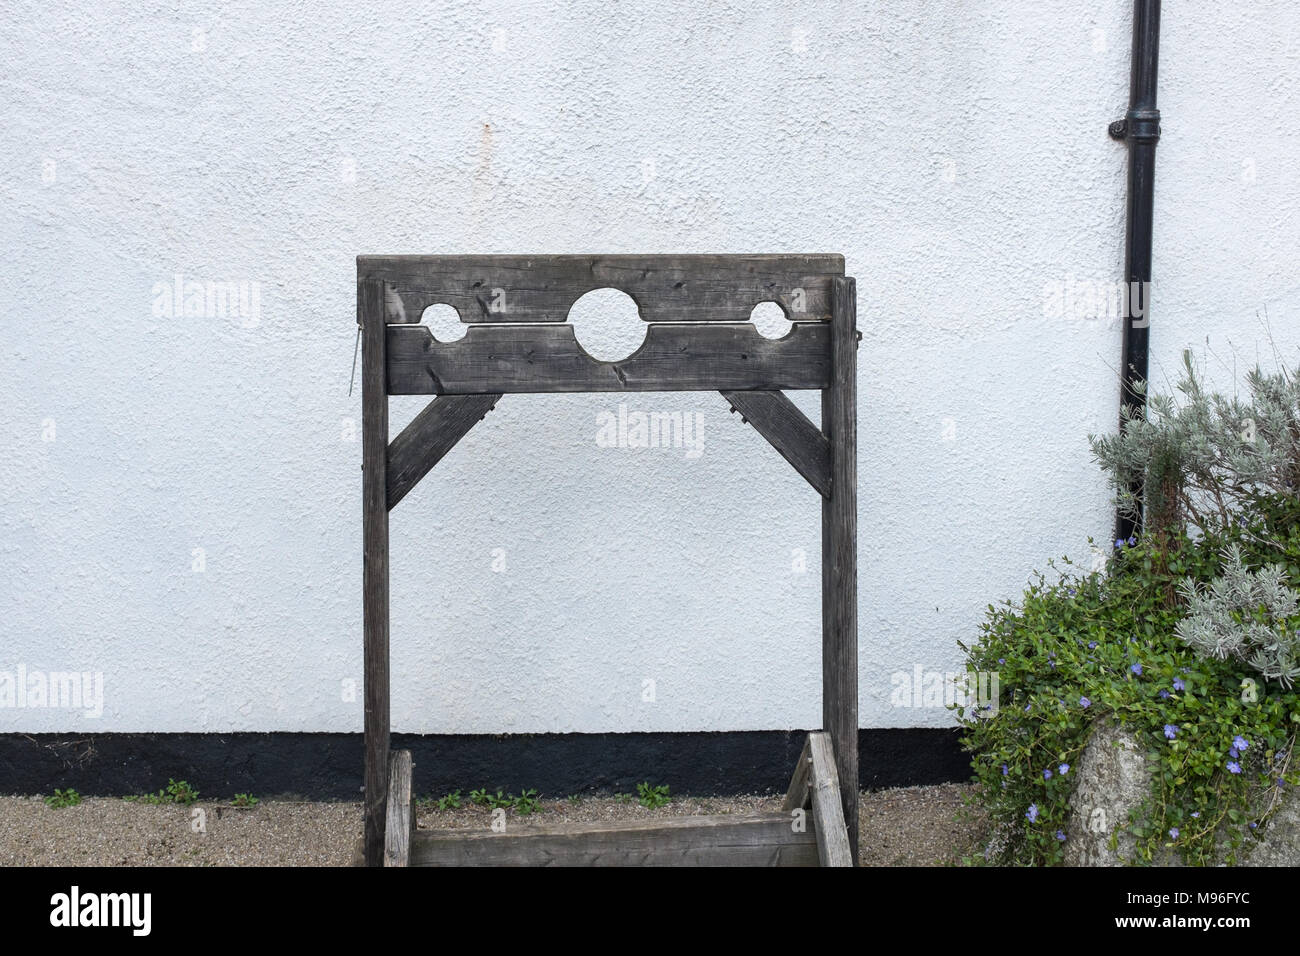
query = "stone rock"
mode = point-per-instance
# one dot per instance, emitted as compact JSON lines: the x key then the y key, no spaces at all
{"x":1281,"y":843}
{"x":1113,"y":779}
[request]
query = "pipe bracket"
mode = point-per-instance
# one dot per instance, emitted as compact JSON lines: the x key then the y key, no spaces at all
{"x":1139,"y":126}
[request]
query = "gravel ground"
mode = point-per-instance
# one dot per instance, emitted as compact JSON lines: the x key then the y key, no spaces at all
{"x":914,"y":826}
{"x":917,"y":826}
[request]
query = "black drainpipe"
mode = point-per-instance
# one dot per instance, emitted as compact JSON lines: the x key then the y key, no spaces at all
{"x":1140,"y":129}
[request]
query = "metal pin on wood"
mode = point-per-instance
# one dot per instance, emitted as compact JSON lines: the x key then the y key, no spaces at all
{"x":355,"y":349}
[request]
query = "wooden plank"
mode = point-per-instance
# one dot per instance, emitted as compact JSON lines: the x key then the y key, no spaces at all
{"x":401,"y":811}
{"x":759,"y":840}
{"x":547,"y":358}
{"x":429,"y":436}
{"x":799,"y":793}
{"x":828,"y":816}
{"x":374,"y":485}
{"x":703,"y":288}
{"x":789,"y":431}
{"x":840,"y":556}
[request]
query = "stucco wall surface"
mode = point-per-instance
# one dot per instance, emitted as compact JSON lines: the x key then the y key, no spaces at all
{"x":180,"y":494}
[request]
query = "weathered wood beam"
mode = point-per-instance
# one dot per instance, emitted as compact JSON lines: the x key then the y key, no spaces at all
{"x":547,"y":358}
{"x":401,"y":811}
{"x":374,"y":484}
{"x":429,"y":436}
{"x":828,"y":816}
{"x":789,"y":431}
{"x":703,"y":288}
{"x":840,"y":554}
{"x":799,"y":794}
{"x":766,"y":840}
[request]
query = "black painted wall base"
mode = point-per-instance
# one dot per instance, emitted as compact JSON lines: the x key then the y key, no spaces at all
{"x":329,"y":766}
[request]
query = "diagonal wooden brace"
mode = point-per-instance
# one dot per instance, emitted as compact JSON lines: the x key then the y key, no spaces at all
{"x":816,"y":784}
{"x":431,"y":434}
{"x":788,"y":430}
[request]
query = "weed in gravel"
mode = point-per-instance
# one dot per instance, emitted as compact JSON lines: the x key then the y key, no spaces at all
{"x":63,"y":798}
{"x":175,"y":792}
{"x":652,"y":797}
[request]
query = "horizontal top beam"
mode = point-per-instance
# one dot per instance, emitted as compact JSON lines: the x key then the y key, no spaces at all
{"x":706,"y":356}
{"x":666,"y":288}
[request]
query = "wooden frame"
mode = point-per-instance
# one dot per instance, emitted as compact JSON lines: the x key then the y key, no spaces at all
{"x":699,"y":338}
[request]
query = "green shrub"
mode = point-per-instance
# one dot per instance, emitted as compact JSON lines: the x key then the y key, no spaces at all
{"x":1188,"y":639}
{"x":1088,"y":647}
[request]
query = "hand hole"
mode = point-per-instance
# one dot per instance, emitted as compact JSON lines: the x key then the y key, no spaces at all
{"x":770,"y":320}
{"x":443,"y":321}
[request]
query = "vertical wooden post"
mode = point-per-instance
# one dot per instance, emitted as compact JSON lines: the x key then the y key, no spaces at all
{"x":840,"y":553}
{"x":374,"y":463}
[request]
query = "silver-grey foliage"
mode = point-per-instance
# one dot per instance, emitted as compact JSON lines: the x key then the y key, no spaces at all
{"x":1250,"y":616}
{"x":1203,"y":456}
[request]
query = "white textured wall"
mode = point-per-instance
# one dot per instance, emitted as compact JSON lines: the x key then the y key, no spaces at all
{"x":955,"y":152}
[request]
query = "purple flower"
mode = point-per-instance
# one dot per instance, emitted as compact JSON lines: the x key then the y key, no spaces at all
{"x":1233,"y":753}
{"x":1132,"y":540}
{"x":1196,"y":814}
{"x":1060,"y":836}
{"x":1240,"y":742}
{"x":1253,"y":824}
{"x":1002,"y":660}
{"x":1063,"y":769}
{"x":1173,"y":833}
{"x":1004,"y":770}
{"x":1032,"y":813}
{"x":1092,"y":645}
{"x":1136,"y":669}
{"x":1084,"y":702}
{"x":1178,"y":684}
{"x":1164,"y":695}
{"x":1119,"y":542}
{"x":1234,"y":767}
{"x":1047,"y":775}
{"x":1171,"y":731}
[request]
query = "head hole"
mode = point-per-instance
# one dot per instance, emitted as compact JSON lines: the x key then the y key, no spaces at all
{"x":607,"y":324}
